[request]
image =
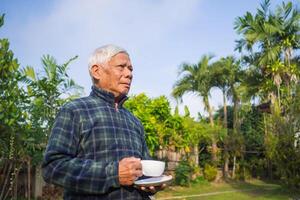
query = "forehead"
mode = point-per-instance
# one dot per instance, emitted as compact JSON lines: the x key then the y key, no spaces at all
{"x":120,"y":58}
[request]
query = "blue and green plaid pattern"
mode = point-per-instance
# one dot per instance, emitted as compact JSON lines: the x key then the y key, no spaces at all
{"x":89,"y":137}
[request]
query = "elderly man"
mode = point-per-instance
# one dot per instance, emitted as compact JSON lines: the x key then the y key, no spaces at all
{"x":96,"y":145}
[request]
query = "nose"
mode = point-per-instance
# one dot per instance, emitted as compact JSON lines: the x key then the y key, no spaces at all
{"x":128,"y":73}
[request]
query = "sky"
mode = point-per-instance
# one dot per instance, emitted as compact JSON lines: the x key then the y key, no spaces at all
{"x":158,"y":34}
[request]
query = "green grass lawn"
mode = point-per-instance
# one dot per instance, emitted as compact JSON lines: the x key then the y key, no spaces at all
{"x":254,"y":189}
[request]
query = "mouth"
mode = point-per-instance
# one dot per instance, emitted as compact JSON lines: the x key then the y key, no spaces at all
{"x":126,"y":84}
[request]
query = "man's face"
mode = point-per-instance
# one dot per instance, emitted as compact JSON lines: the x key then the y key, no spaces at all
{"x":116,"y":75}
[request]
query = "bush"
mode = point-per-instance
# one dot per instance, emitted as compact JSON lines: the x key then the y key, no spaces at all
{"x":200,"y":180}
{"x":183,"y":173}
{"x":210,"y":172}
{"x":242,"y":171}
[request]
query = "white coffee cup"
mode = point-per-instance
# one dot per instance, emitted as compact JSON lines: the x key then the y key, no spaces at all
{"x":153,"y":167}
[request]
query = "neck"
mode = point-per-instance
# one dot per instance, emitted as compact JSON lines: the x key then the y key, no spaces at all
{"x":118,"y":99}
{"x":116,"y":106}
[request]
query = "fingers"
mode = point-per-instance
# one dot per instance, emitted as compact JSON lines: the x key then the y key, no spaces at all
{"x":132,"y":162}
{"x":149,"y":189}
{"x":130,"y":169}
{"x":131,"y":159}
{"x":154,"y":188}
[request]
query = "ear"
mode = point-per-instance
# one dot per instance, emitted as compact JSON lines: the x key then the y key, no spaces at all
{"x":96,"y":72}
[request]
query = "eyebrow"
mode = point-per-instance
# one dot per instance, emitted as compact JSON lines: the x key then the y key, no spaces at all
{"x":124,"y":65}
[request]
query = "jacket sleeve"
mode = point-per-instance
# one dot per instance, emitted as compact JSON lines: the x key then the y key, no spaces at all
{"x":62,"y":167}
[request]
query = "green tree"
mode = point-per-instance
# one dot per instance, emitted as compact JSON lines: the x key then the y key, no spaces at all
{"x":46,"y":93}
{"x":164,"y":130}
{"x":196,"y":79}
{"x":12,"y":116}
{"x":220,"y":71}
{"x":153,"y":113}
{"x":270,"y":38}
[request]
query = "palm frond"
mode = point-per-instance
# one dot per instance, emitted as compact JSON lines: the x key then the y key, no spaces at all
{"x":29,"y":72}
{"x":272,"y":28}
{"x":28,"y":75}
{"x":286,"y":9}
{"x":63,"y":67}
{"x":240,"y":44}
{"x":2,"y":19}
{"x":270,"y":55}
{"x":49,"y":66}
{"x":264,"y":9}
{"x":185,"y":68}
{"x":182,"y":86}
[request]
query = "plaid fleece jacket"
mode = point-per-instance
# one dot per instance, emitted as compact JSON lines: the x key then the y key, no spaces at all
{"x":89,"y":137}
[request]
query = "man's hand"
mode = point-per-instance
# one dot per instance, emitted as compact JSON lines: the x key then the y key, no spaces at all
{"x":130,"y":169}
{"x":153,"y":189}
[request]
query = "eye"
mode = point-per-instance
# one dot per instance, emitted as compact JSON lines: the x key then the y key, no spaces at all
{"x":120,"y":67}
{"x":130,"y":68}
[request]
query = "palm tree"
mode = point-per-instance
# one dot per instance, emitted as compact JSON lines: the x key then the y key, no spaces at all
{"x":273,"y":36}
{"x":48,"y":91}
{"x":270,"y":39}
{"x":227,"y":75}
{"x":196,"y":79}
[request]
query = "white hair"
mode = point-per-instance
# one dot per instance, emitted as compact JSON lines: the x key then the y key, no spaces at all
{"x":103,"y":54}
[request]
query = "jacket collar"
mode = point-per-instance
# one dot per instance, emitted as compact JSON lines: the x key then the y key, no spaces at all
{"x":107,"y":96}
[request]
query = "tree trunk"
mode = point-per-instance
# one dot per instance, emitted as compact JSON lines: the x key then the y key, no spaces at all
{"x":278,"y":96}
{"x":214,"y":150}
{"x":270,"y":169}
{"x":225,"y":109}
{"x":7,"y":176}
{"x":3,"y":181}
{"x":234,"y":167}
{"x":211,"y":120}
{"x":11,"y":177}
{"x":235,"y":115}
{"x":235,"y":110}
{"x":226,"y":154}
{"x":38,"y":184}
{"x":16,"y":184}
{"x":226,"y":168}
{"x":226,"y":161}
{"x":29,"y":178}
{"x":196,"y":154}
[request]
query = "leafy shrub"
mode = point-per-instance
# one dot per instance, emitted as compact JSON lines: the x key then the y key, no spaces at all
{"x":210,"y":172}
{"x":200,"y":180}
{"x":183,"y":173}
{"x":242,"y":171}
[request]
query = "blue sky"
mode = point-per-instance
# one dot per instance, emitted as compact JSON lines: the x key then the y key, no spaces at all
{"x":159,"y":36}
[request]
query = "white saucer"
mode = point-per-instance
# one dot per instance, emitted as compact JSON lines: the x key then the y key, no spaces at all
{"x":154,"y":181}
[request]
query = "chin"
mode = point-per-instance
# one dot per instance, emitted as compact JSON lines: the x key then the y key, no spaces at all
{"x":125,"y":90}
